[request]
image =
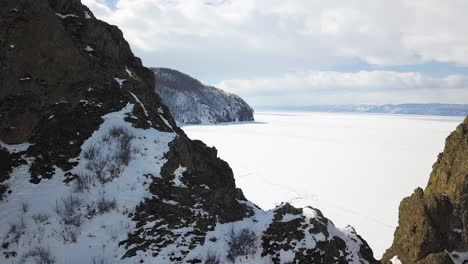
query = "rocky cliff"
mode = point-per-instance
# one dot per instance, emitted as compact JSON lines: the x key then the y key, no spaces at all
{"x":191,"y":102}
{"x":433,"y":223}
{"x":93,"y":168}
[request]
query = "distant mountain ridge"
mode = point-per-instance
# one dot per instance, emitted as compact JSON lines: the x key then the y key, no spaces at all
{"x":191,"y":102}
{"x":409,"y":109}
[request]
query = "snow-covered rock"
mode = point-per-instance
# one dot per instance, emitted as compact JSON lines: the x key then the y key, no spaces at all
{"x":104,"y":175}
{"x":191,"y":102}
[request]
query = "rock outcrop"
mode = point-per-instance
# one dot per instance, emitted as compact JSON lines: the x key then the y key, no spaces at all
{"x":93,"y":168}
{"x":191,"y":102}
{"x":433,"y":223}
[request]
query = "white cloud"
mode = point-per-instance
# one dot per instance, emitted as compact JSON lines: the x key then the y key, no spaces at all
{"x":365,"y":87}
{"x":379,"y":32}
{"x":240,"y":40}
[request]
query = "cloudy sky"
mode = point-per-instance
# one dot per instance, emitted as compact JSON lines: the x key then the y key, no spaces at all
{"x":305,"y":52}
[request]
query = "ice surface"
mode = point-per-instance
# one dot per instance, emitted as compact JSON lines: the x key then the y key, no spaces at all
{"x":355,"y":168}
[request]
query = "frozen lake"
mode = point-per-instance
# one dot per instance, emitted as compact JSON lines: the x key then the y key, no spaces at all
{"x":355,"y":168}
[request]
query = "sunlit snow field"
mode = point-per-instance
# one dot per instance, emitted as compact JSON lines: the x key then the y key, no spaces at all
{"x":355,"y":168}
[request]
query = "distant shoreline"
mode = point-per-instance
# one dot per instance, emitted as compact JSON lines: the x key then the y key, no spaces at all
{"x":397,"y":109}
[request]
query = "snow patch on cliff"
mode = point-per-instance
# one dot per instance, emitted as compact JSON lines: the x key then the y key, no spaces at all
{"x":81,"y":219}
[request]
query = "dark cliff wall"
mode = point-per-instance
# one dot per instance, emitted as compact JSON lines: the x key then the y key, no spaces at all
{"x":433,"y":223}
{"x":58,"y":72}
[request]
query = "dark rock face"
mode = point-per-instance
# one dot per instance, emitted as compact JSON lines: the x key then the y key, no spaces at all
{"x":5,"y":169}
{"x":290,"y":235}
{"x":191,"y":102}
{"x":433,"y":223}
{"x":208,"y":196}
{"x":61,"y":71}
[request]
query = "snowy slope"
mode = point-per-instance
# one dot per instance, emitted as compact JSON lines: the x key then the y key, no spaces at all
{"x":71,"y":220}
{"x":191,"y":102}
{"x":93,"y":168}
{"x":36,"y":216}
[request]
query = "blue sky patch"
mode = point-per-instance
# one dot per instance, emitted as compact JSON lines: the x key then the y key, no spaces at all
{"x":112,"y":4}
{"x":435,"y":69}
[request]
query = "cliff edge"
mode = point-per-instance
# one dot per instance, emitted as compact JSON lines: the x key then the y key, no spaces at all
{"x":433,"y":223}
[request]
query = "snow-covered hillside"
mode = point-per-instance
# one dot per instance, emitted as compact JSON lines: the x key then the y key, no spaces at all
{"x":81,"y":218}
{"x":93,"y":213}
{"x":93,"y":168}
{"x":191,"y":102}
